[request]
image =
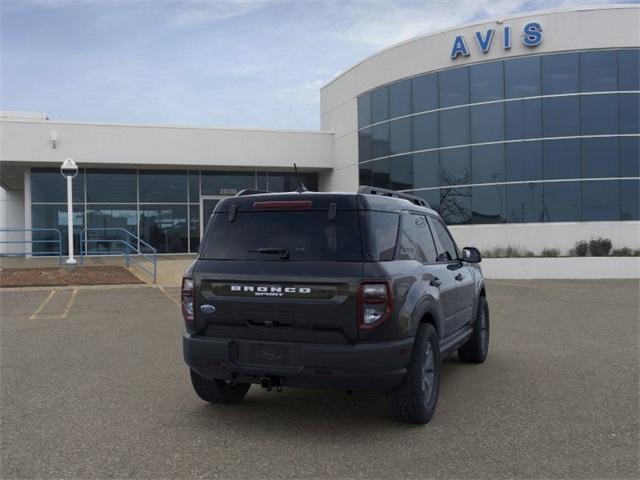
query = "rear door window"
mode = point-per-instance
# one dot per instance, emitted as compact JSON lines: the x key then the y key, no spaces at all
{"x":268,"y":235}
{"x":447,"y":250}
{"x":416,"y":242}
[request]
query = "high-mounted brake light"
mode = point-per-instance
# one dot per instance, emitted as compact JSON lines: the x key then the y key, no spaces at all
{"x":187,"y":303}
{"x":374,"y":304}
{"x":284,"y":204}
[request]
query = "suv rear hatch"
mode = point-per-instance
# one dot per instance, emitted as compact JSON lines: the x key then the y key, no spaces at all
{"x":284,"y":267}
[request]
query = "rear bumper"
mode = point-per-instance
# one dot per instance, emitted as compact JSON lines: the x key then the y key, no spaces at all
{"x":366,"y":366}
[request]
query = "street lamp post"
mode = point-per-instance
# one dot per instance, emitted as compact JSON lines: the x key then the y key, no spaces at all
{"x":69,"y":170}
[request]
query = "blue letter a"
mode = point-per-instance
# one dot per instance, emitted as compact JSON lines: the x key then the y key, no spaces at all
{"x":485,"y":43}
{"x":459,"y":47}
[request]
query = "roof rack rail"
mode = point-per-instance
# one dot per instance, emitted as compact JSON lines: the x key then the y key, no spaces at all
{"x":248,"y":191}
{"x":392,"y":193}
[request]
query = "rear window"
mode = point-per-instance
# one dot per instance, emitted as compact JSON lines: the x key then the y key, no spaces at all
{"x":265,"y":235}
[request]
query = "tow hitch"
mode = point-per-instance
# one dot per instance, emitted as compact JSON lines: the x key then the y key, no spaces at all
{"x":269,"y":383}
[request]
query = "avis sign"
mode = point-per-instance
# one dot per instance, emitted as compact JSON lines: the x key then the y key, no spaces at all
{"x":531,"y":37}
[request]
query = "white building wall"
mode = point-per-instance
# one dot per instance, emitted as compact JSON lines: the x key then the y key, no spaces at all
{"x":11,"y":217}
{"x":163,"y":146}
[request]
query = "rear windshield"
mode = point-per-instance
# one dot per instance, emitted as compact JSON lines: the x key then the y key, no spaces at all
{"x":284,"y":235}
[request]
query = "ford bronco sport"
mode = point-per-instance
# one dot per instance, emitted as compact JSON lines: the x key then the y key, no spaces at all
{"x":356,"y":292}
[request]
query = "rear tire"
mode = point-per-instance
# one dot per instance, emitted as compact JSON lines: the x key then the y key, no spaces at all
{"x":415,"y":400}
{"x":475,"y":350}
{"x":218,"y":391}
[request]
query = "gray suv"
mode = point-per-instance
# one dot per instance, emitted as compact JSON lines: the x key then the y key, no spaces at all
{"x":357,"y":292}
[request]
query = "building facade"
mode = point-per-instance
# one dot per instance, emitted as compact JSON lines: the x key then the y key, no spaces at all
{"x":521,"y":132}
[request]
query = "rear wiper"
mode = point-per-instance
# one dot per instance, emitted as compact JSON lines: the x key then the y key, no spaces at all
{"x":283,"y":252}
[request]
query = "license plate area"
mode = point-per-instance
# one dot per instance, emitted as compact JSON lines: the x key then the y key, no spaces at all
{"x":264,"y":353}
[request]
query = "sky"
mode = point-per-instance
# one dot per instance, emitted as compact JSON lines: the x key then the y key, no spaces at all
{"x":226,"y":63}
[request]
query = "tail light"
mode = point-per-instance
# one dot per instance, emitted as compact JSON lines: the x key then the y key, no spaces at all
{"x":187,"y":303}
{"x":374,"y":304}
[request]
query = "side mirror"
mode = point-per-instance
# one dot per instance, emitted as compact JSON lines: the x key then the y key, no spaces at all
{"x":471,"y":255}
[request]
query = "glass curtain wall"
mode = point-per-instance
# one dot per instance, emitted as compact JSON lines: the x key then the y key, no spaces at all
{"x":162,"y":207}
{"x":544,"y":138}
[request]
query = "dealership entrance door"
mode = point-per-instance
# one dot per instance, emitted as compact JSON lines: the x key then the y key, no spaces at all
{"x":207,"y":204}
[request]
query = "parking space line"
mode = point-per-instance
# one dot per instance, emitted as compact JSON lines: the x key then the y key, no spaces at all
{"x":169,"y":296}
{"x":42,"y":305}
{"x":69,"y":303}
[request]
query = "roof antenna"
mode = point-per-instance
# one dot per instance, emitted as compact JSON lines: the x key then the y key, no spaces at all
{"x":301,"y":188}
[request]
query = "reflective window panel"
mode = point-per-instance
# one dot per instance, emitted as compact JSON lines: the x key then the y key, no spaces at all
{"x":380,"y":104}
{"x":524,"y":203}
{"x":523,"y":119}
{"x":194,"y":186}
{"x":109,"y":221}
{"x":561,"y":116}
{"x":455,"y":166}
{"x":601,"y":200}
{"x":523,"y":161}
{"x":164,"y":186}
{"x":560,"y":73}
{"x":487,"y":123}
{"x":55,"y":216}
{"x":165,"y":227}
{"x":226,"y":183}
{"x":400,"y":135}
{"x":455,"y":205}
{"x":599,"y":114}
{"x":425,"y":131}
{"x":365,"y":145}
{"x":401,"y":177}
{"x":487,"y":81}
{"x":380,"y":140}
{"x":629,"y":156}
{"x":426,"y":169}
{"x":454,"y":127}
{"x":424,"y":93}
{"x":630,"y":200}
{"x":366,"y":173}
{"x":562,"y":159}
{"x":381,"y":173}
{"x":111,"y":186}
{"x":454,"y":87}
{"x":522,"y":77}
{"x":629,"y":69}
{"x":400,"y":98}
{"x":562,"y":201}
{"x":600,"y":157}
{"x":48,"y":185}
{"x":488,"y":164}
{"x":629,"y":112}
{"x":599,"y":71}
{"x":488,"y":204}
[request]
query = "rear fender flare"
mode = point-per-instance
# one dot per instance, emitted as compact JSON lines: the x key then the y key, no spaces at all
{"x":428,"y":307}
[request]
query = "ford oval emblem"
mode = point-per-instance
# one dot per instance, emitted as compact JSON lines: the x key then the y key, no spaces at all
{"x":206,"y":308}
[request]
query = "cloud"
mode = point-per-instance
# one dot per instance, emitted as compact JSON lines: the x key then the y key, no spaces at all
{"x":191,"y":12}
{"x":380,"y":23}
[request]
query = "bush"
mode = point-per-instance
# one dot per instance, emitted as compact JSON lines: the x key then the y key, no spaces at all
{"x":550,"y":252}
{"x":600,"y":247}
{"x":625,"y":252}
{"x":507,"y":252}
{"x":581,"y":248}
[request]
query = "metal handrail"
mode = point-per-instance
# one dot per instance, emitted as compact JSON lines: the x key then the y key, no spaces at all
{"x":31,"y":241}
{"x":135,"y":249}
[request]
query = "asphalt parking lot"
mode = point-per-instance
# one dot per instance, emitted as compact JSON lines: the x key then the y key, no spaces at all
{"x":94,"y":386}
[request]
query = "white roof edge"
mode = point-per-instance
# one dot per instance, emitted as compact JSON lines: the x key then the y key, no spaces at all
{"x":148,"y":125}
{"x":551,"y":11}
